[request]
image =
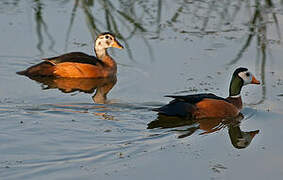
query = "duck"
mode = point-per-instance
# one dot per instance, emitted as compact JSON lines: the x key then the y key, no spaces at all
{"x":79,"y":64}
{"x":208,"y":105}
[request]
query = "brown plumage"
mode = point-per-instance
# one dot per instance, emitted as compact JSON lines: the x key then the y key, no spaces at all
{"x":214,"y":108}
{"x":78,"y":64}
{"x":200,"y":106}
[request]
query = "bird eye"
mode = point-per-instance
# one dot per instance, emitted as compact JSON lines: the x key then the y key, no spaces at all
{"x":107,"y":37}
{"x":248,"y":74}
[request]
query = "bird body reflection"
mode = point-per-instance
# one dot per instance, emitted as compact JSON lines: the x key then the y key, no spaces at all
{"x":239,"y":138}
{"x":101,"y":86}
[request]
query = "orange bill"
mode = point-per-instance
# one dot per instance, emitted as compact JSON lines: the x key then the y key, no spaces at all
{"x":255,"y":81}
{"x":253,"y":133}
{"x":116,"y":44}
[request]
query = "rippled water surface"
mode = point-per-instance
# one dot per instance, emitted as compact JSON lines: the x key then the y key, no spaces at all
{"x":53,"y":129}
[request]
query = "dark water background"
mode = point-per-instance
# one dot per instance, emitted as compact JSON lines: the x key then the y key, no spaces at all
{"x":171,"y":47}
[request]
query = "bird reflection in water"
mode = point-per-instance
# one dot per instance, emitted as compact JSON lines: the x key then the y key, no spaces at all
{"x":239,"y":138}
{"x":101,"y":86}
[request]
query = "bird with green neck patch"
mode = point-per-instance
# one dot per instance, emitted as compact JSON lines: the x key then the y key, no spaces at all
{"x":240,"y":78}
{"x":208,"y":105}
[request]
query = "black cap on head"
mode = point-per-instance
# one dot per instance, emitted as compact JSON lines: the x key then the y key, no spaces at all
{"x":104,"y":33}
{"x":238,"y":70}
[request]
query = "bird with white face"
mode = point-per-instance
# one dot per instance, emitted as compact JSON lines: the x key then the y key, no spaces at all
{"x":199,"y":106}
{"x":78,"y":64}
{"x":103,"y":42}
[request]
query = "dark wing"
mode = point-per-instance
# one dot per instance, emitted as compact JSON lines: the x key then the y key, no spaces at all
{"x":195,"y":98}
{"x":77,"y":57}
{"x":184,"y":106}
{"x":177,"y":108}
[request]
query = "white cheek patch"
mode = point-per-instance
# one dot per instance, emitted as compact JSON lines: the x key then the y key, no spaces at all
{"x":98,"y":43}
{"x":246,"y":79}
{"x":101,"y":44}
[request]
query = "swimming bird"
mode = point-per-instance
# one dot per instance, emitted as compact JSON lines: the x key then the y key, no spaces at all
{"x":78,"y":64}
{"x":208,"y":105}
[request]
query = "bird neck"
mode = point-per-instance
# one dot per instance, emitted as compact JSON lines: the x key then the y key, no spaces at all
{"x":235,"y":87}
{"x":235,"y":92}
{"x":100,"y":52}
{"x":236,"y":101}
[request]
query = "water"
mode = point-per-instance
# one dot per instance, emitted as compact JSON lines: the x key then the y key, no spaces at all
{"x":53,"y":131}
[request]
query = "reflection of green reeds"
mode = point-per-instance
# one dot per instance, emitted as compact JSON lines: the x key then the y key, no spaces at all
{"x":38,"y":19}
{"x":112,"y":16}
{"x":259,"y":28}
{"x":255,"y":24}
{"x":252,"y":29}
{"x":39,"y":25}
{"x":132,"y":21}
{"x":140,"y":17}
{"x":73,"y":14}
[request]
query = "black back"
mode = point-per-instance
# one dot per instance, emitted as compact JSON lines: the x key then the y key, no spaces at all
{"x":77,"y":57}
{"x":195,"y":98}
